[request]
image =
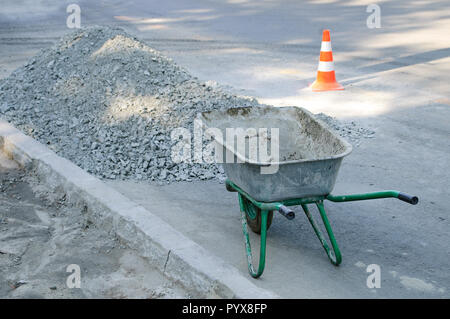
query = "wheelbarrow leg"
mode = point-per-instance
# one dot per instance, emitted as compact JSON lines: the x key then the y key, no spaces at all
{"x":335,"y":255}
{"x":262,"y":251}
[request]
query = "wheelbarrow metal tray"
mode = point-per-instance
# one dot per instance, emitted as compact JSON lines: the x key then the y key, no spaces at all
{"x":309,"y":153}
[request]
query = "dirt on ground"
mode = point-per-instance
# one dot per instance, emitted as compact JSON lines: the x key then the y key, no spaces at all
{"x":41,"y":239}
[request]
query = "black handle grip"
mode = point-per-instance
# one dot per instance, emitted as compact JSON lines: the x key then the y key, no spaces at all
{"x":413,"y":200}
{"x":286,"y":212}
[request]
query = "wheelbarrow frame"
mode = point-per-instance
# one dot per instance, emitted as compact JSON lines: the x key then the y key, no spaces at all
{"x":334,"y":255}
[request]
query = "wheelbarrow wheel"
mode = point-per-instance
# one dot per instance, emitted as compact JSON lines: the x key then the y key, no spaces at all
{"x":253,"y":216}
{"x":255,"y":224}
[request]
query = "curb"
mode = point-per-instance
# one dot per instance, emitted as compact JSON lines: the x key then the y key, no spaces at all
{"x":175,"y":255}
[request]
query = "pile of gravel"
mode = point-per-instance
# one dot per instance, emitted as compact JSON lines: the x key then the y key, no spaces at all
{"x":351,"y":131}
{"x":108,"y":102}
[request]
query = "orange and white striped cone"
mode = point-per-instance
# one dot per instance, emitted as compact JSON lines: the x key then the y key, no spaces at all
{"x":326,"y":79}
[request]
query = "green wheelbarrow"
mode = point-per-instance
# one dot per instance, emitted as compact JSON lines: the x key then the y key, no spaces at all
{"x":303,"y":173}
{"x":258,"y":215}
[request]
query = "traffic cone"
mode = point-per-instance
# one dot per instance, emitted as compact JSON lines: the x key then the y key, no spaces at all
{"x":326,"y":79}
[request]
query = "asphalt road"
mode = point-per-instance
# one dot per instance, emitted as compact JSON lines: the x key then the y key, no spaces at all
{"x":396,"y":79}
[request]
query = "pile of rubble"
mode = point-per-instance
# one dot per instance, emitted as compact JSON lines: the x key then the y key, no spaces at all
{"x":107,"y":102}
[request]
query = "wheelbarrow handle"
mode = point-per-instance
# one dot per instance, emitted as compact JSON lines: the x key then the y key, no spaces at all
{"x":381,"y":194}
{"x":413,"y":200}
{"x":286,"y":212}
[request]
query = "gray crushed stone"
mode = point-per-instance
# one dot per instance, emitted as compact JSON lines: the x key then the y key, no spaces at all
{"x":108,"y":102}
{"x":350,"y":130}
